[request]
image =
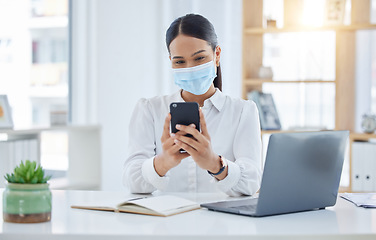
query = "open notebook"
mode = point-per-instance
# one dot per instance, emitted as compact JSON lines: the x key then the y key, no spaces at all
{"x":366,"y":200}
{"x":164,"y":206}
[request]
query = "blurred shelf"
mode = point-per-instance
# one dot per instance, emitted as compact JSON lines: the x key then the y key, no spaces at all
{"x":362,"y":136}
{"x":343,"y":189}
{"x":84,"y":148}
{"x":48,"y":22}
{"x":310,"y":29}
{"x":258,"y":81}
{"x":39,"y":129}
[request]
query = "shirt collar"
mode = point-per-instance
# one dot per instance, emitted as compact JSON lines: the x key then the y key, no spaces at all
{"x":217,"y":100}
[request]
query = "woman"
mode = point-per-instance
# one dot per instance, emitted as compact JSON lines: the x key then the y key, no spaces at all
{"x":225,"y":156}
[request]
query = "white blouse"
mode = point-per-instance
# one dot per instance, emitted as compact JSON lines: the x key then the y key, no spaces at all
{"x":234,"y":128}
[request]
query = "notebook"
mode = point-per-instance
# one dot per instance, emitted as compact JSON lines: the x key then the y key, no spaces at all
{"x":302,"y":172}
{"x":165,"y":205}
{"x":366,"y":200}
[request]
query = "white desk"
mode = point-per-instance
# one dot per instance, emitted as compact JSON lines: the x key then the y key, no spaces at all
{"x":344,"y":221}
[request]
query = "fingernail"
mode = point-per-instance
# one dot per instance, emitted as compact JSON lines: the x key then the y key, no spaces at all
{"x":172,"y":134}
{"x":178,"y":126}
{"x":192,"y":125}
{"x":176,"y":141}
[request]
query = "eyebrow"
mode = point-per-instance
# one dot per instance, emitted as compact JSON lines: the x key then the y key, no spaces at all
{"x":200,"y":51}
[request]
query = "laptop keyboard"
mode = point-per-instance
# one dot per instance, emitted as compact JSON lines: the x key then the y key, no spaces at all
{"x":249,"y":208}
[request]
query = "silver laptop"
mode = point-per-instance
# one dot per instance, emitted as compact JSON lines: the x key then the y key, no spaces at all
{"x":302,"y":172}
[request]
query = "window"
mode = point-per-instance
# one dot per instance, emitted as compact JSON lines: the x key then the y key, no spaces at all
{"x":34,"y":69}
{"x":34,"y":60}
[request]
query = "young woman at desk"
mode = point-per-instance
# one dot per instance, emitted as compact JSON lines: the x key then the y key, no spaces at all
{"x":225,"y":156}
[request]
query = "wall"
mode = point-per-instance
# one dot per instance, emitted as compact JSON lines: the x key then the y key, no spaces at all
{"x":124,"y":72}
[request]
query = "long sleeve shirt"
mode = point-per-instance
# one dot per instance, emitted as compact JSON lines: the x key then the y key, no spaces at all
{"x":234,"y":129}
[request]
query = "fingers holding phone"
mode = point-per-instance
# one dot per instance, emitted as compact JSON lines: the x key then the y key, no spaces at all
{"x":170,"y":156}
{"x":185,"y":138}
{"x":199,"y":145}
{"x":166,"y":128}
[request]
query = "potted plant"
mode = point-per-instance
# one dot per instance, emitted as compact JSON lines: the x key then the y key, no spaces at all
{"x":27,"y":197}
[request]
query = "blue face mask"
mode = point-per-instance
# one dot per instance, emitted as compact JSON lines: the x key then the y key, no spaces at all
{"x":196,"y":80}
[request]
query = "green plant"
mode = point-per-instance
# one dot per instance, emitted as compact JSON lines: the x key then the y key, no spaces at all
{"x":27,"y":173}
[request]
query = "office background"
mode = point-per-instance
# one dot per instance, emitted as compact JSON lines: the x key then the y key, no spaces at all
{"x":118,"y":55}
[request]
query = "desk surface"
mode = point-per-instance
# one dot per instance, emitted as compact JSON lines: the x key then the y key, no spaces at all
{"x":343,"y":221}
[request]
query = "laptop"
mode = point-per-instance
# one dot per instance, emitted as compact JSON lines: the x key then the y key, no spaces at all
{"x":302,"y":172}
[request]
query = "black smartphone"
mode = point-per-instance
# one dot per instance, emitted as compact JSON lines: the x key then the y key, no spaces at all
{"x":184,"y":113}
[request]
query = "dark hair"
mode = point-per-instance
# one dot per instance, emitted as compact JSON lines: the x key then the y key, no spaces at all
{"x":196,"y":26}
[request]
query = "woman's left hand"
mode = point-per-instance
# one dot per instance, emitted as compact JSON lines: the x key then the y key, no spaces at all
{"x":198,"y":146}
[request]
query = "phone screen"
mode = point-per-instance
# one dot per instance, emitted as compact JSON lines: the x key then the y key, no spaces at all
{"x":184,"y":113}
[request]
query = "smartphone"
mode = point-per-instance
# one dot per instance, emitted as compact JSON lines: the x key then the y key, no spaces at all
{"x":184,"y":113}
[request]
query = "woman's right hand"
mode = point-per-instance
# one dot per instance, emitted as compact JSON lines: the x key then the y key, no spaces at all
{"x":171,"y":155}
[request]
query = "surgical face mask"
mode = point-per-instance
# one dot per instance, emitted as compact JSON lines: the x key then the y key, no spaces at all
{"x":196,"y":80}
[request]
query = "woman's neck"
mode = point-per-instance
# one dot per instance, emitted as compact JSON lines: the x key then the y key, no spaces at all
{"x":189,"y":97}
